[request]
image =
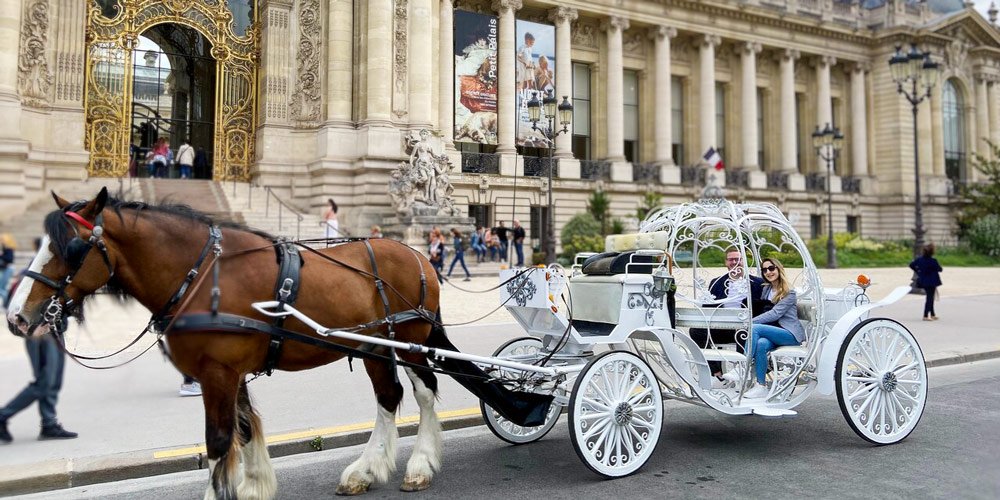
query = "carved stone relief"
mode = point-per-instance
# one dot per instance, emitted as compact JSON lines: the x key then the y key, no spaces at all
{"x":399,"y":58}
{"x":955,"y":54}
{"x":306,"y":101}
{"x":69,"y":63}
{"x":477,"y":6}
{"x":276,"y":81}
{"x":34,"y":79}
{"x":421,"y":185}
{"x":584,"y":34}
{"x":634,"y":42}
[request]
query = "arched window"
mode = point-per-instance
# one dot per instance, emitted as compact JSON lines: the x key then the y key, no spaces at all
{"x":953,"y":125}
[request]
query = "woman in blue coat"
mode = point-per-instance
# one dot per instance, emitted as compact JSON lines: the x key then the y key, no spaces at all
{"x":928,"y":277}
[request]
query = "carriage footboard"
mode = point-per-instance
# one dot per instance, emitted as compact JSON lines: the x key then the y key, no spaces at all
{"x":522,"y":408}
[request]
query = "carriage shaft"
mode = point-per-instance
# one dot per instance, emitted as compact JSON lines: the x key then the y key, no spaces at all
{"x":266,"y":307}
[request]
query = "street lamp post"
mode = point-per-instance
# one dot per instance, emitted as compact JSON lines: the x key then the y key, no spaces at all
{"x":564,"y":113}
{"x":915,"y":74}
{"x":828,"y":143}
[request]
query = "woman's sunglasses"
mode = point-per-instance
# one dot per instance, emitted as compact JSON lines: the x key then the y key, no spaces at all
{"x":769,"y":269}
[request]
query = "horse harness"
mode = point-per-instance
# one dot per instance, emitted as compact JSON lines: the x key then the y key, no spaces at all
{"x":286,"y":290}
{"x":76,"y":253}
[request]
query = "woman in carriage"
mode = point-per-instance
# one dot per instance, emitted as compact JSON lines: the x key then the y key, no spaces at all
{"x":765,"y":336}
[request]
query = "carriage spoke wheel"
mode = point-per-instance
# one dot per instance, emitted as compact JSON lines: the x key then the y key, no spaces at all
{"x":881,"y":381}
{"x":615,"y":414}
{"x":500,"y":426}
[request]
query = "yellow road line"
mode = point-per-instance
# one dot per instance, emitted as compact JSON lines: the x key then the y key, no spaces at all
{"x":326,"y":431}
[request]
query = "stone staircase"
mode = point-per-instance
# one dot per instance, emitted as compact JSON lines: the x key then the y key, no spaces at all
{"x":29,"y":225}
{"x":263,"y":210}
{"x":201,"y":195}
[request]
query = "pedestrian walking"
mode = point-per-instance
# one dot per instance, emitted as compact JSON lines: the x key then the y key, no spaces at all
{"x":928,"y":277}
{"x":436,"y":253}
{"x":459,"y":254}
{"x":185,"y":158}
{"x":47,"y":363}
{"x":7,"y":247}
{"x":518,"y":239}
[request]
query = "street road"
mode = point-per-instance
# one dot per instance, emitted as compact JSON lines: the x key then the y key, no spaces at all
{"x":701,"y":454}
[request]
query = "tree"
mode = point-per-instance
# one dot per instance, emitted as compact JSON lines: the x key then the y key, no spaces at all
{"x":599,"y":206}
{"x":982,"y":199}
{"x":651,"y":201}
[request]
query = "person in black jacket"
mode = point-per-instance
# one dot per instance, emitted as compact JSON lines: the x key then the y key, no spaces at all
{"x":928,"y":277}
{"x":723,"y":287}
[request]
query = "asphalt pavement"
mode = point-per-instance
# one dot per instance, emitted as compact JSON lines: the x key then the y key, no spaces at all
{"x":701,"y":454}
{"x":133,"y":424}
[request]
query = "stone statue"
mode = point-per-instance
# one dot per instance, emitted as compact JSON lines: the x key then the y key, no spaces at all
{"x":421,"y":185}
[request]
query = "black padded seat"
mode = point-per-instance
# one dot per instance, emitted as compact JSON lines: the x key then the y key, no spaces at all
{"x":611,"y":263}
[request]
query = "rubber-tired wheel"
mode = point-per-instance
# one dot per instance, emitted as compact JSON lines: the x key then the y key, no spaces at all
{"x":500,"y":426}
{"x":881,"y":381}
{"x":615,"y":414}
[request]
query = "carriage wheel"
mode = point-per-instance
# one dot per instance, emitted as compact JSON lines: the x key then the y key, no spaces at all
{"x":615,"y":414}
{"x":500,"y":426}
{"x":881,"y":381}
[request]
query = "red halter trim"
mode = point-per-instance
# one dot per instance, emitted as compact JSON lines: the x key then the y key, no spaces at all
{"x":83,"y":222}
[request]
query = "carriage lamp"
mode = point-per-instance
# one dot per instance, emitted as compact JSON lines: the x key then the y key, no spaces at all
{"x":864,"y":281}
{"x":663,"y":282}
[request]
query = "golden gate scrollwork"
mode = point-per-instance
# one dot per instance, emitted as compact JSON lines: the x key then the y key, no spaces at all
{"x":108,"y":95}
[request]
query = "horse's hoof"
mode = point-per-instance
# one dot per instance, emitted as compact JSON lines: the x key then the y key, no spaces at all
{"x":353,"y":488}
{"x":415,"y":483}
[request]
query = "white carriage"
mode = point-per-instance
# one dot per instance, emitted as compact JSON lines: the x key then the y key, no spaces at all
{"x":617,"y":353}
{"x":610,"y":346}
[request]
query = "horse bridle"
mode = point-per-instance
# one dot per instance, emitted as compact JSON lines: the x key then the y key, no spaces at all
{"x":76,"y":253}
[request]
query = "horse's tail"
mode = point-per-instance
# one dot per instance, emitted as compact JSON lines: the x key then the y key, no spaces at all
{"x":522,"y":408}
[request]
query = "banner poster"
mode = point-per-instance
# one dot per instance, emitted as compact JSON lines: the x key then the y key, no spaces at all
{"x":476,"y":72}
{"x":535,"y":64}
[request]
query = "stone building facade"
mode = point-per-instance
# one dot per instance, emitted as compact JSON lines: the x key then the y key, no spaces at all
{"x":314,"y":98}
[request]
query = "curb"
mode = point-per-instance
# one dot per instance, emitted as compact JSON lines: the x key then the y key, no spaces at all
{"x":61,"y":474}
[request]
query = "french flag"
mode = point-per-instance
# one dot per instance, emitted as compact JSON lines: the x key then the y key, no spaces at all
{"x":714,"y":159}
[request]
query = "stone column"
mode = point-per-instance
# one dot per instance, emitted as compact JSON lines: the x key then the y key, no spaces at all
{"x":506,"y":99}
{"x":748,"y":104}
{"x":982,"y":118}
{"x":662,"y":102}
{"x":13,"y":150}
{"x":614,"y":26}
{"x":340,"y":63}
{"x":937,"y":133}
{"x":824,"y":105}
{"x":421,"y":53}
{"x":562,"y":17}
{"x":925,"y":143}
{"x":446,"y":74}
{"x":706,"y":86}
{"x":859,"y":122}
{"x":789,"y":123}
{"x":992,"y":95}
{"x":378,"y":104}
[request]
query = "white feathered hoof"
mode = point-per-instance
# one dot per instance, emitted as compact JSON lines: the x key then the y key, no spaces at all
{"x":415,"y":482}
{"x":353,"y":487}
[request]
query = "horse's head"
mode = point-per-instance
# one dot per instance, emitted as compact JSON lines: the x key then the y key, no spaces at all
{"x":72,"y":262}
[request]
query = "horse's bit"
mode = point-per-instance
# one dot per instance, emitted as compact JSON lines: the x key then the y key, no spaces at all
{"x":76,"y":253}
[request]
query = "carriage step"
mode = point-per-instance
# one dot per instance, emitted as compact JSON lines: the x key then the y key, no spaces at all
{"x":766,"y":412}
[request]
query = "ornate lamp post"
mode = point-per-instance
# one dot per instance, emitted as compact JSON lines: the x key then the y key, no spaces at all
{"x":564,"y":113}
{"x":828,"y":143}
{"x":915,"y":75}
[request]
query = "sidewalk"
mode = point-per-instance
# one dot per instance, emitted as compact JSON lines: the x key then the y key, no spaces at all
{"x":133,"y":424}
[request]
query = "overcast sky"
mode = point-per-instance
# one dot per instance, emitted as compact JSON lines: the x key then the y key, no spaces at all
{"x":982,"y":6}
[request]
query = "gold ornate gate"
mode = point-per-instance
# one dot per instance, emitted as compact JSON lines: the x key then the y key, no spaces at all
{"x":108,"y":97}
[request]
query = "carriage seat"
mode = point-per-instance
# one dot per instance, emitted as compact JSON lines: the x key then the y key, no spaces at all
{"x":598,"y":298}
{"x":656,"y":240}
{"x":619,"y":251}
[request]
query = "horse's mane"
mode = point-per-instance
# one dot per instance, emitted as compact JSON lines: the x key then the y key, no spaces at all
{"x":60,"y":232}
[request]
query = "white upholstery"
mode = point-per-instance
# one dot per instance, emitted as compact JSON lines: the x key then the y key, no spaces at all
{"x":657,"y":240}
{"x":596,"y":298}
{"x":791,"y":351}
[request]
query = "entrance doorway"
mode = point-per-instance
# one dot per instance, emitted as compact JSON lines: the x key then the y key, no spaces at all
{"x":173,"y":96}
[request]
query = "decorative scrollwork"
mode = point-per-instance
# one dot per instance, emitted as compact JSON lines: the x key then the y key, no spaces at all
{"x":522,"y":289}
{"x":306,"y":101}
{"x":645,"y":300}
{"x":33,"y":76}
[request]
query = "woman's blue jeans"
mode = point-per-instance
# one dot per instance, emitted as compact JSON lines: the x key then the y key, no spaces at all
{"x":459,"y":257}
{"x":764,"y":339}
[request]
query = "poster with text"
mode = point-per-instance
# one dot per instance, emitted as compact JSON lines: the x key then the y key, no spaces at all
{"x":535,"y":70}
{"x":475,"y":77}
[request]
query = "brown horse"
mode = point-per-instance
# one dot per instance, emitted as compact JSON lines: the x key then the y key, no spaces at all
{"x":146,"y":251}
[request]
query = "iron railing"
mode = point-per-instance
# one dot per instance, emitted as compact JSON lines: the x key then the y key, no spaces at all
{"x":595,"y":170}
{"x":480,"y":163}
{"x":850,"y":184}
{"x":777,"y":180}
{"x":815,"y":182}
{"x":282,"y":206}
{"x":538,"y":166}
{"x":738,"y":177}
{"x":692,"y":175}
{"x":646,"y":173}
